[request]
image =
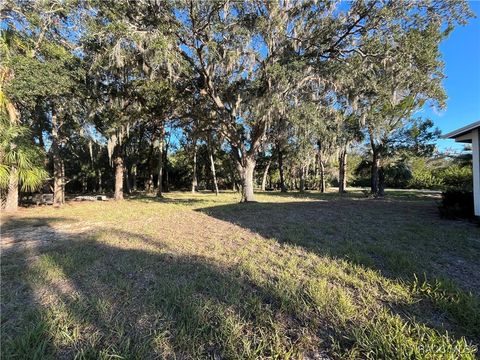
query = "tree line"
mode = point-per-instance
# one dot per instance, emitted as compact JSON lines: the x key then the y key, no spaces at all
{"x":128,"y":95}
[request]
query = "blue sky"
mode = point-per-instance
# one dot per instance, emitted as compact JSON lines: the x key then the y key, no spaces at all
{"x":461,"y":54}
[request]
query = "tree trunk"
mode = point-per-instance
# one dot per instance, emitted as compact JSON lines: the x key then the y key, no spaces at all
{"x":160,"y":175}
{"x":150,"y":168}
{"x":11,"y":203}
{"x":127,"y":182}
{"x":374,"y":185}
{"x":246,"y":169}
{"x":58,"y":183}
{"x":160,"y":170}
{"x":100,"y":189}
{"x":234,"y":182}
{"x":212,"y":168}
{"x":265,"y":174}
{"x":302,"y":179}
{"x":165,"y":162}
{"x":62,"y":181}
{"x":39,"y":124}
{"x":307,"y":171}
{"x":160,"y":162}
{"x":381,"y":181}
{"x":342,"y":170}
{"x":149,"y":184}
{"x":58,"y":166}
{"x":167,"y":183}
{"x":321,"y":167}
{"x":84,"y":184}
{"x":118,"y":161}
{"x":194,"y":175}
{"x":283,"y":188}
{"x":134,"y":177}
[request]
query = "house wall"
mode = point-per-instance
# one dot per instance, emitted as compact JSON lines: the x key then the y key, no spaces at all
{"x":476,"y":169}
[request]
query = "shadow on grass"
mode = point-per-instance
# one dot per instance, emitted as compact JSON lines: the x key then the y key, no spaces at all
{"x":86,"y":296}
{"x":11,"y":222}
{"x":403,"y":240}
{"x":165,"y":200}
{"x":357,"y":193}
{"x":311,"y":195}
{"x":79,"y":297}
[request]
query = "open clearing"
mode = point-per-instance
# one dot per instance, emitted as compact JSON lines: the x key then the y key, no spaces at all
{"x":198,"y":276}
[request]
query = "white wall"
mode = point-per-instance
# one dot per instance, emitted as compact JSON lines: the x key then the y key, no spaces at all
{"x":476,"y":169}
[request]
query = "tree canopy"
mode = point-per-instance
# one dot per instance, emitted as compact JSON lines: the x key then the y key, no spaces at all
{"x":129,"y":96}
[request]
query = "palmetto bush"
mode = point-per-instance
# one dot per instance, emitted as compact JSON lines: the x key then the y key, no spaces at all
{"x":18,"y":155}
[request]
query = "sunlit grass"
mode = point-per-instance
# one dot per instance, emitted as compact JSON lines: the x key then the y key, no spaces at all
{"x":201,"y":276}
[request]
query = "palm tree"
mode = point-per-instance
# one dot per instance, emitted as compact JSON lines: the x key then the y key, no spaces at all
{"x":20,"y":162}
{"x":20,"y":159}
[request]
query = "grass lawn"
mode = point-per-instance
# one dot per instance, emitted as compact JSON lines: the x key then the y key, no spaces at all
{"x":198,"y":276}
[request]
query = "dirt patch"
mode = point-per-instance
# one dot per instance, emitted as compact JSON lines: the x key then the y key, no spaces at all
{"x":34,"y":236}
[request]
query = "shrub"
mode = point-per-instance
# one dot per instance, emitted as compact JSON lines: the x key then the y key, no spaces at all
{"x":422,"y":176}
{"x":457,"y":177}
{"x":397,"y":174}
{"x":457,"y":204}
{"x":419,"y":173}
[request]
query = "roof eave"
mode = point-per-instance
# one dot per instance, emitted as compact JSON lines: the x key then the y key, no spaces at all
{"x":462,"y":131}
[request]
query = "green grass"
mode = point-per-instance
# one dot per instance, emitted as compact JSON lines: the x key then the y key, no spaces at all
{"x":199,"y":276}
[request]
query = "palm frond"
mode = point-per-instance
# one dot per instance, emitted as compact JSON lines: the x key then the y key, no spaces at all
{"x":17,"y":151}
{"x":31,"y":179}
{"x":4,"y":176}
